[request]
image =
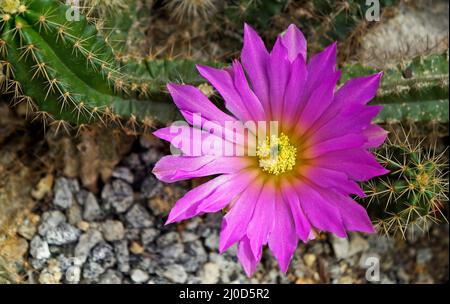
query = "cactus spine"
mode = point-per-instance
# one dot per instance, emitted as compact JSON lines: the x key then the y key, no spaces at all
{"x":414,"y":194}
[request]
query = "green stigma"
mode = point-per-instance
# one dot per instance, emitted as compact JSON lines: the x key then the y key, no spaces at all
{"x":276,"y":154}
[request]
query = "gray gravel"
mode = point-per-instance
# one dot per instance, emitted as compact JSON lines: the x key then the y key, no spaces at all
{"x":114,"y":237}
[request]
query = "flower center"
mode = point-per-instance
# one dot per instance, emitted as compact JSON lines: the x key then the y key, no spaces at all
{"x":276,"y":154}
{"x":10,"y":6}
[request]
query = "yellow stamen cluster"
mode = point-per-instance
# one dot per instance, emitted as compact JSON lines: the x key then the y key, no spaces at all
{"x":10,"y":6}
{"x":277,"y":155}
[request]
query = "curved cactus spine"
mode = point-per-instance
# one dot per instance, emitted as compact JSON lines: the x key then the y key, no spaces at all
{"x":415,"y":91}
{"x":69,"y":74}
{"x":414,"y":194}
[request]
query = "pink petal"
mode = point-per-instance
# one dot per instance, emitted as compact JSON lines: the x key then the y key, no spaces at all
{"x":354,"y":216}
{"x":376,"y":136}
{"x":302,"y":225}
{"x":222,"y":80}
{"x":261,"y":223}
{"x":327,"y":178}
{"x":345,"y":142}
{"x":171,"y":168}
{"x":294,"y":91}
{"x":191,"y":100}
{"x":358,"y":164}
{"x":278,"y":69}
{"x":353,"y":94}
{"x":283,"y":239}
{"x":249,"y":99}
{"x":234,"y":224}
{"x":194,"y":142}
{"x":320,"y":212}
{"x":294,"y":41}
{"x":319,"y":101}
{"x":254,"y":58}
{"x":245,"y":256}
{"x":321,"y":65}
{"x":186,"y":207}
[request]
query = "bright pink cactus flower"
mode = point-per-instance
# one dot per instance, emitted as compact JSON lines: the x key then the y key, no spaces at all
{"x":321,"y":148}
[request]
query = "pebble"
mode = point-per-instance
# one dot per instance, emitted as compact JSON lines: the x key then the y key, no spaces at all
{"x":50,"y":220}
{"x":62,"y":234}
{"x":124,"y":174}
{"x":92,"y":270}
{"x":63,"y":197}
{"x":73,"y":275}
{"x":138,"y":217}
{"x":39,"y":248}
{"x":424,"y":255}
{"x":148,"y":235}
{"x":341,"y":247}
{"x":212,"y":241}
{"x":52,"y":274}
{"x":310,"y":259}
{"x":103,"y":254}
{"x":151,"y":187}
{"x":139,"y":276}
{"x":122,"y":256}
{"x":136,"y":248}
{"x":92,"y":210}
{"x":118,"y":195}
{"x":28,"y":228}
{"x":210,"y":274}
{"x":111,"y":277}
{"x":74,"y":215}
{"x":87,"y":241}
{"x":113,"y":230}
{"x":175,"y":273}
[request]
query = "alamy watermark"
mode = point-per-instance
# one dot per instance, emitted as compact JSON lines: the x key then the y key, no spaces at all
{"x":373,"y":10}
{"x":73,"y":12}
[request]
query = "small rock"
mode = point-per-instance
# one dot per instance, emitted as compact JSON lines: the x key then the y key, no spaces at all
{"x":175,"y":273}
{"x":44,"y":186}
{"x":74,"y":214}
{"x":168,"y":239}
{"x":29,"y":227}
{"x":62,"y":234}
{"x":50,"y":220}
{"x":87,"y":241}
{"x":63,"y":197}
{"x":187,"y":237}
{"x":139,"y":276}
{"x":111,"y":277}
{"x":122,"y":256}
{"x":52,"y":274}
{"x":148,"y":236}
{"x":210,"y":274}
{"x":151,"y":187}
{"x":92,"y":210}
{"x":341,"y":247}
{"x":113,"y":230}
{"x":118,"y":195}
{"x":310,"y":259}
{"x":123,"y":173}
{"x":136,"y":248}
{"x":92,"y":270}
{"x":212,"y":241}
{"x":357,"y":245}
{"x":83,"y":226}
{"x":103,"y":254}
{"x":73,"y":275}
{"x":424,"y":255}
{"x":39,"y":248}
{"x":138,"y":217}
